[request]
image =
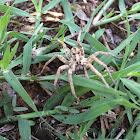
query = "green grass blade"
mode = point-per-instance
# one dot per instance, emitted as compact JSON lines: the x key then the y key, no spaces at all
{"x":16,"y":85}
{"x":8,"y":111}
{"x":15,"y":11}
{"x":40,"y":5}
{"x":134,"y":87}
{"x":136,"y":7}
{"x":3,"y":26}
{"x":70,"y":24}
{"x":107,"y":59}
{"x":127,"y":46}
{"x":98,"y":108}
{"x":68,"y":14}
{"x":88,"y":83}
{"x":135,"y":16}
{"x":13,"y":51}
{"x":94,"y":42}
{"x":6,"y":58}
{"x":122,"y":6}
{"x":35,"y":4}
{"x":93,"y":14}
{"x":85,"y":129}
{"x":61,"y":31}
{"x":52,"y":4}
{"x":137,"y":135}
{"x":27,"y":55}
{"x":134,"y":41}
{"x":18,"y":36}
{"x":38,"y":37}
{"x":24,"y":129}
{"x":124,"y":73}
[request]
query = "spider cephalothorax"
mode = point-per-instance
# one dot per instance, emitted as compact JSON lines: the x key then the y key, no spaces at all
{"x":76,"y":61}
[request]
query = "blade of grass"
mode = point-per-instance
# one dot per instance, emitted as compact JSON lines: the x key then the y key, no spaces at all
{"x":27,"y":55}
{"x":15,"y":11}
{"x":99,"y":107}
{"x":86,"y":127}
{"x":88,"y":83}
{"x":18,"y":35}
{"x":6,"y":58}
{"x":106,"y":6}
{"x":124,"y":73}
{"x":134,"y":87}
{"x":61,"y":31}
{"x":68,"y":14}
{"x":3,"y":25}
{"x":24,"y":129}
{"x":14,"y":82}
{"x":72,"y":25}
{"x":51,"y":4}
{"x":127,"y":46}
{"x":122,"y":6}
{"x":8,"y":111}
{"x":138,"y":58}
{"x":88,"y":25}
{"x":107,"y":59}
{"x":36,"y":6}
{"x":13,"y":51}
{"x":40,"y":5}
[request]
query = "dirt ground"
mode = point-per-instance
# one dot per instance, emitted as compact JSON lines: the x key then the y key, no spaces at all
{"x":115,"y":32}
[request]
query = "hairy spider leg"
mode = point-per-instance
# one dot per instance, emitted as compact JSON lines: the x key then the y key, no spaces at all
{"x":61,"y":68}
{"x":71,"y":85}
{"x":105,"y":66}
{"x":61,"y":58}
{"x":98,"y":73}
{"x":86,"y":74}
{"x":79,"y":43}
{"x":64,"y":48}
{"x":100,"y":52}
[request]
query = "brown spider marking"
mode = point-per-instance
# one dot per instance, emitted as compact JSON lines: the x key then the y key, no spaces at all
{"x":76,"y":61}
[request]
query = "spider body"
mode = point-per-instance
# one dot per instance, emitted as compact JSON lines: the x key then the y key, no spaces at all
{"x":76,"y":61}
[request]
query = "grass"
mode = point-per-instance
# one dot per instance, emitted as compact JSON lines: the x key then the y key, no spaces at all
{"x":125,"y":93}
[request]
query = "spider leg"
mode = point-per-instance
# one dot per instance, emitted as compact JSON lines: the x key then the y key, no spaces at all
{"x":71,"y":85}
{"x":86,"y":74}
{"x":79,"y":43}
{"x":61,"y":58}
{"x":91,"y":57}
{"x":105,"y":66}
{"x":98,"y":73}
{"x":64,"y":47}
{"x":61,"y":68}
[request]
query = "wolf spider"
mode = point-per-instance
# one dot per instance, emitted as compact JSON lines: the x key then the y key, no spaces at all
{"x":77,"y":61}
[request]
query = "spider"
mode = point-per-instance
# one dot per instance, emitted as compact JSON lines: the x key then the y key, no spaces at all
{"x":76,"y":61}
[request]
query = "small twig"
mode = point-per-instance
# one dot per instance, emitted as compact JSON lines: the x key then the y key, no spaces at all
{"x":120,"y":133}
{"x":102,"y":124}
{"x":105,"y":42}
{"x":119,"y":27}
{"x":46,"y":90}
